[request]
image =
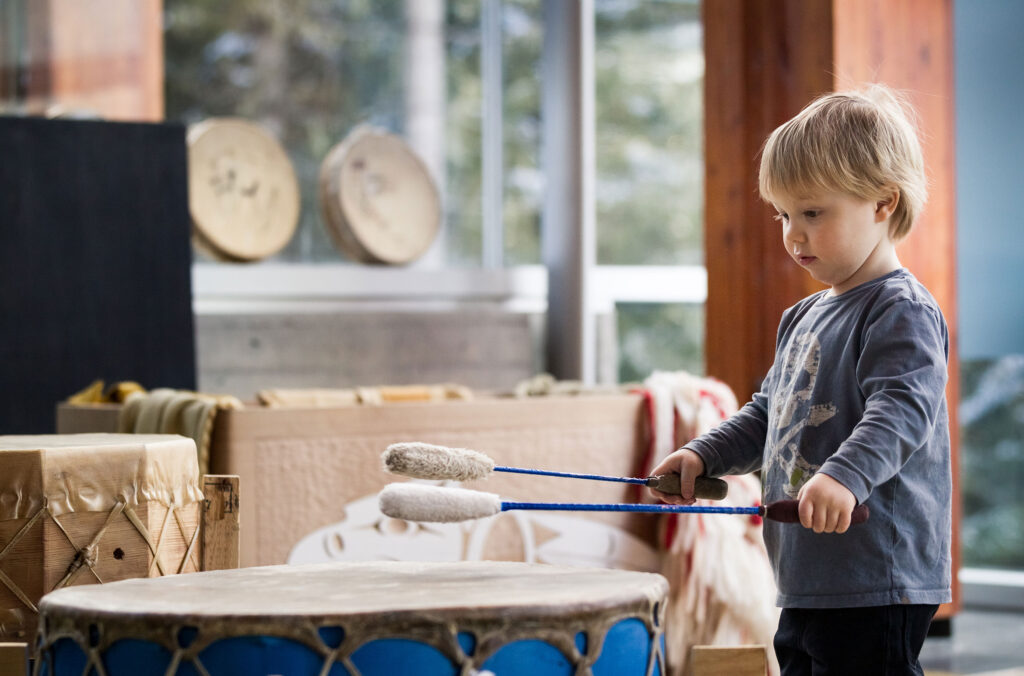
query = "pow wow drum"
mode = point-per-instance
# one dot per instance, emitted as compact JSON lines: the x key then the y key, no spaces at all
{"x":362,"y":619}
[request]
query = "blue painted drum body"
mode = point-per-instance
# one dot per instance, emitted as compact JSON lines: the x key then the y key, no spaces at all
{"x":362,"y":619}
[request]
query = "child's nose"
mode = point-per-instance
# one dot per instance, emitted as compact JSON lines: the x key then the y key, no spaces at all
{"x":793,"y":233}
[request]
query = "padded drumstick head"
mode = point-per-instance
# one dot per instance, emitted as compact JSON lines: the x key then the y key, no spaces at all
{"x":416,"y":502}
{"x":427,"y":461}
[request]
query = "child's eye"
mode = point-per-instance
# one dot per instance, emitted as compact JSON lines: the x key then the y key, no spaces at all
{"x":811,"y":213}
{"x":781,"y":217}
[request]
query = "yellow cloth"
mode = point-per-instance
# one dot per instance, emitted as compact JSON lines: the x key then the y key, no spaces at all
{"x":94,"y":393}
{"x":166,"y":411}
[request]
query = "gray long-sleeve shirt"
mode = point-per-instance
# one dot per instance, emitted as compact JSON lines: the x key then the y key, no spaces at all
{"x":857,"y":391}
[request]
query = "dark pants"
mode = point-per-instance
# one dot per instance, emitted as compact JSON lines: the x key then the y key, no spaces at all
{"x":874,"y":641}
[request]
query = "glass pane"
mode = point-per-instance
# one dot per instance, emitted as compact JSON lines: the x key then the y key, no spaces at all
{"x":464,"y":133}
{"x":992,"y":459}
{"x":649,"y":71}
{"x":13,"y":70}
{"x":523,"y":39}
{"x":310,"y":70}
{"x":659,"y":337}
{"x":77,"y":60}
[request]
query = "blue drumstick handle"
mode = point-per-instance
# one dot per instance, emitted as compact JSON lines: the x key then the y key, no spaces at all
{"x":570,"y":475}
{"x":703,"y":487}
{"x":784,"y":511}
{"x":616,"y":507}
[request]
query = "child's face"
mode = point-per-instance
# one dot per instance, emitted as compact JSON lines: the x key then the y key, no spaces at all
{"x":839,"y":239}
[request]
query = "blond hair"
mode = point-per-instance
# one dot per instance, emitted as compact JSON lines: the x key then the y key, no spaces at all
{"x":862,"y":143}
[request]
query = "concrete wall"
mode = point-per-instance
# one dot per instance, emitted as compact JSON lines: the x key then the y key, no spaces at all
{"x":490,"y":350}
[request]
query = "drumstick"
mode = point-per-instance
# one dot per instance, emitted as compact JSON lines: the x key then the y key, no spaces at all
{"x":418,"y":502}
{"x":428,"y":461}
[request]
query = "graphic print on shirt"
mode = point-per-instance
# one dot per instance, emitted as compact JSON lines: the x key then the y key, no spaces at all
{"x":793,"y":411}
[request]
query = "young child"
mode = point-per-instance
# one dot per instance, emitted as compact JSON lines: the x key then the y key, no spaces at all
{"x":853,"y":410}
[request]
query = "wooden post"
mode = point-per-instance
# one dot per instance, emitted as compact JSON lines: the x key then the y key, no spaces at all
{"x":219,"y":527}
{"x":764,"y":62}
{"x":103,"y":57}
{"x":748,"y":660}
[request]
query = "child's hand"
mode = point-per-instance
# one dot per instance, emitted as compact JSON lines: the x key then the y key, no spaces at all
{"x":688,"y":466}
{"x":826,"y":505}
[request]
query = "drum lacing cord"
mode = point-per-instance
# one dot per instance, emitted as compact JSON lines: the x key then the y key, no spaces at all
{"x":329,"y":660}
{"x":7,"y":581}
{"x":172,"y":511}
{"x":182,"y":653}
{"x":176,"y":659}
{"x":88,"y":556}
{"x":191,"y":551}
{"x":83,"y":555}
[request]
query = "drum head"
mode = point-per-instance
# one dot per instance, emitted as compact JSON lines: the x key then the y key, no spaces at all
{"x":243,"y":194}
{"x":378,"y":199}
{"x":388,"y":589}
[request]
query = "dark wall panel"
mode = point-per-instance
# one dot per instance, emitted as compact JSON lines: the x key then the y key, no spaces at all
{"x":95,"y":258}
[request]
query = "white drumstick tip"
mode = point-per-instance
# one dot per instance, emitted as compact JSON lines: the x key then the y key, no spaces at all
{"x":426,"y":461}
{"x":418,"y":502}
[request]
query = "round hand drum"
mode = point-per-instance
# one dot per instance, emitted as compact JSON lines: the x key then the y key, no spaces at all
{"x":362,"y":619}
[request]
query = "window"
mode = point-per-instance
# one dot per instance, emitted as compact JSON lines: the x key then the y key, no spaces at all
{"x":649,"y":76}
{"x":990,"y":253}
{"x":656,"y":336}
{"x":992,"y":452}
{"x":461,"y":81}
{"x":315,"y":70}
{"x":312,"y":71}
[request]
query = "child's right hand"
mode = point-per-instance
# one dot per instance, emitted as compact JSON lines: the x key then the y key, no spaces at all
{"x":688,"y":465}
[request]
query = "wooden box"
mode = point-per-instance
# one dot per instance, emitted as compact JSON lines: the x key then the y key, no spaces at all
{"x":91,"y":508}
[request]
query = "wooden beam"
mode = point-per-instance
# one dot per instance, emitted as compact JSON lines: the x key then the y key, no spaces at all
{"x":219,"y":525}
{"x":763,"y":64}
{"x":103,"y":58}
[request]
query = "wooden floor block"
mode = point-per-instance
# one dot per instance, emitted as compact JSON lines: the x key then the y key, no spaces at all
{"x":750,"y":660}
{"x":1016,"y":671}
{"x":13,"y":659}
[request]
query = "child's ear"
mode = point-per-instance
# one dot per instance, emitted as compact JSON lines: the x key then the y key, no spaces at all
{"x":885,"y":206}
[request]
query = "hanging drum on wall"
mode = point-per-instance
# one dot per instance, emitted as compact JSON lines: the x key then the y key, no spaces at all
{"x":378,"y":200}
{"x":243,"y":194}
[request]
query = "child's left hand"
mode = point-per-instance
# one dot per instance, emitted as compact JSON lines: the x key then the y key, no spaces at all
{"x":826,"y":505}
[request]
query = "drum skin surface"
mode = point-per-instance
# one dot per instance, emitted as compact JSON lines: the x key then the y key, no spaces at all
{"x":362,"y":619}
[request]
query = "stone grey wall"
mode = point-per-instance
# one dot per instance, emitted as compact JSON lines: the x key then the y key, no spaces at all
{"x":483,"y":349}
